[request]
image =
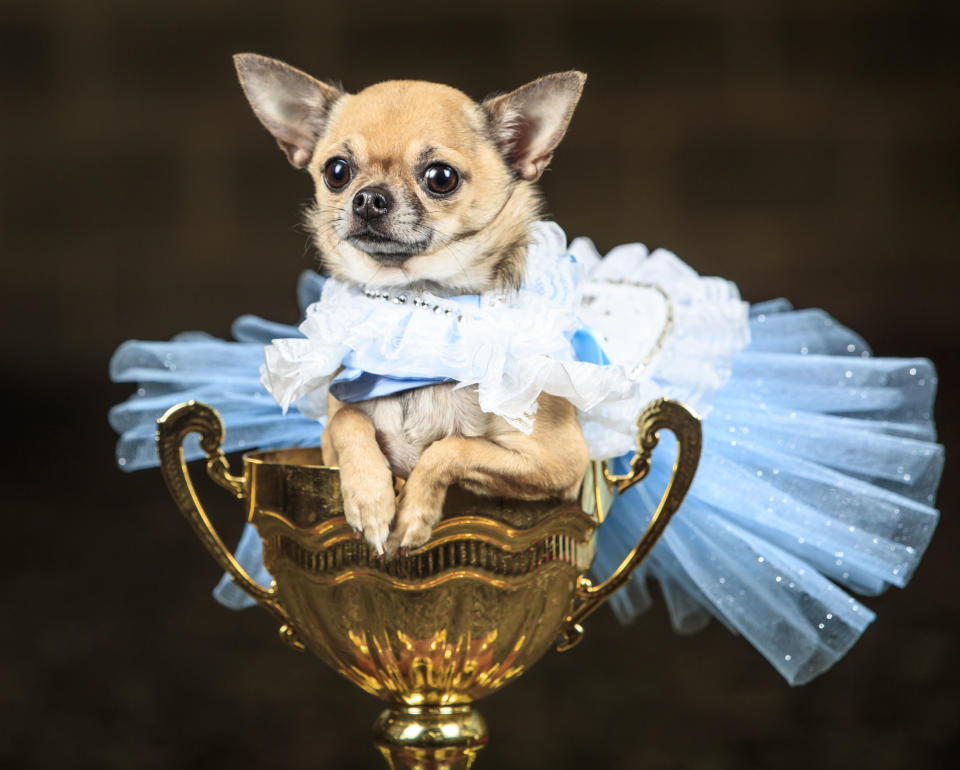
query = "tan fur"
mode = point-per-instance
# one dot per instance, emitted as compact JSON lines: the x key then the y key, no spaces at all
{"x":472,"y":233}
{"x":443,"y":448}
{"x":470,"y":241}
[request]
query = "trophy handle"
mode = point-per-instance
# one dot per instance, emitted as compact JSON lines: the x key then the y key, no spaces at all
{"x":685,"y":425}
{"x":176,"y":424}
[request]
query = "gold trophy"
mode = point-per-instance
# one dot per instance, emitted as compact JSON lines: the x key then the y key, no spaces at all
{"x":499,"y":583}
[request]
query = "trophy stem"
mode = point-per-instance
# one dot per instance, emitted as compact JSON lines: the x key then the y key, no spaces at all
{"x":430,"y":737}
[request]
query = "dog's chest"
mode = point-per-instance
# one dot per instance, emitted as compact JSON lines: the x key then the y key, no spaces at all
{"x":408,"y":422}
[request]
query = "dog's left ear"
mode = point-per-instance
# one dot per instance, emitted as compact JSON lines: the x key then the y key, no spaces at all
{"x":529,"y":123}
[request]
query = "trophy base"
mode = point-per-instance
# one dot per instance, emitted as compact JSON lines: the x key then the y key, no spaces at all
{"x":430,"y":737}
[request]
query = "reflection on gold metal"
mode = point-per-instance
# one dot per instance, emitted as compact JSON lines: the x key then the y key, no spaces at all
{"x":661,"y":413}
{"x":445,"y":737}
{"x":446,"y":624}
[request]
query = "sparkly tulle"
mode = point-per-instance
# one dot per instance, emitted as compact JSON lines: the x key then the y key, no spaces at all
{"x":818,"y":472}
{"x":224,"y":374}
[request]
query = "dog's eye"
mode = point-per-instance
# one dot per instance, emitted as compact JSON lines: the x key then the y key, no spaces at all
{"x":336,"y":173}
{"x":441,"y":179}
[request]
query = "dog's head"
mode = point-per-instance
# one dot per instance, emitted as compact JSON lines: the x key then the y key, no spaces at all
{"x":417,"y":184}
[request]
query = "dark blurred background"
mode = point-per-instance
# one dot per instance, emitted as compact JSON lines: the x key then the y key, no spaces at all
{"x":804,"y":149}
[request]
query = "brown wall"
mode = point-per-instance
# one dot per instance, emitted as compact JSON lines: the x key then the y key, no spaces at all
{"x":801,"y":149}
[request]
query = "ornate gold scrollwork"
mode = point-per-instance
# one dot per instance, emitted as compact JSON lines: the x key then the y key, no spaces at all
{"x":685,"y":425}
{"x":179,"y":422}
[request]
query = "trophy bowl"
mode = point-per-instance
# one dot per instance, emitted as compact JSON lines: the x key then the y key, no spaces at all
{"x":430,"y":631}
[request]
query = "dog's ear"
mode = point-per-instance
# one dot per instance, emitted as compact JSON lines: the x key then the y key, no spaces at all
{"x":529,"y":123}
{"x":292,"y":105}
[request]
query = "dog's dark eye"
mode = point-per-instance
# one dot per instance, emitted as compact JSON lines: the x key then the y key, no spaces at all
{"x":441,"y":179}
{"x":336,"y":173}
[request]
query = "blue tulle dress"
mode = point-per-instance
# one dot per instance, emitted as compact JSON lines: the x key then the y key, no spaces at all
{"x":818,"y":475}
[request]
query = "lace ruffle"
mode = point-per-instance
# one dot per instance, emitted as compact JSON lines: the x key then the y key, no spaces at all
{"x":684,"y":332}
{"x":514,"y":347}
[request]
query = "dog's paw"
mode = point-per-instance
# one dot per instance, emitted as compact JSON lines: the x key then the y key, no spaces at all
{"x":418,"y":512}
{"x":369,"y":504}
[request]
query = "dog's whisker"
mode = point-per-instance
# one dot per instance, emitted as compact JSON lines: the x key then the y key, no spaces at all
{"x":366,"y":284}
{"x":448,"y":244}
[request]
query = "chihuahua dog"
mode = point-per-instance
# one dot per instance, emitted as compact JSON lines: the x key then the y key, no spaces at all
{"x":421,"y":188}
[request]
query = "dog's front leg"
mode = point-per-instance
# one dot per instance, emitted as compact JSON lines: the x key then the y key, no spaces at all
{"x":369,"y":504}
{"x":519,"y":466}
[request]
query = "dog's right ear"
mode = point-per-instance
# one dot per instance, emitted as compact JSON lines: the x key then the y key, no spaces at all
{"x":291,"y":105}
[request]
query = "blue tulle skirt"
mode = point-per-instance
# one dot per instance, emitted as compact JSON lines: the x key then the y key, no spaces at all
{"x":818,"y":475}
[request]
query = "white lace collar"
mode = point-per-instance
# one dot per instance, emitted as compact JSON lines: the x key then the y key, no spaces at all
{"x":515,"y":347}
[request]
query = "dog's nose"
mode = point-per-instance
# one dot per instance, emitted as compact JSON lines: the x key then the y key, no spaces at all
{"x":371,"y":202}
